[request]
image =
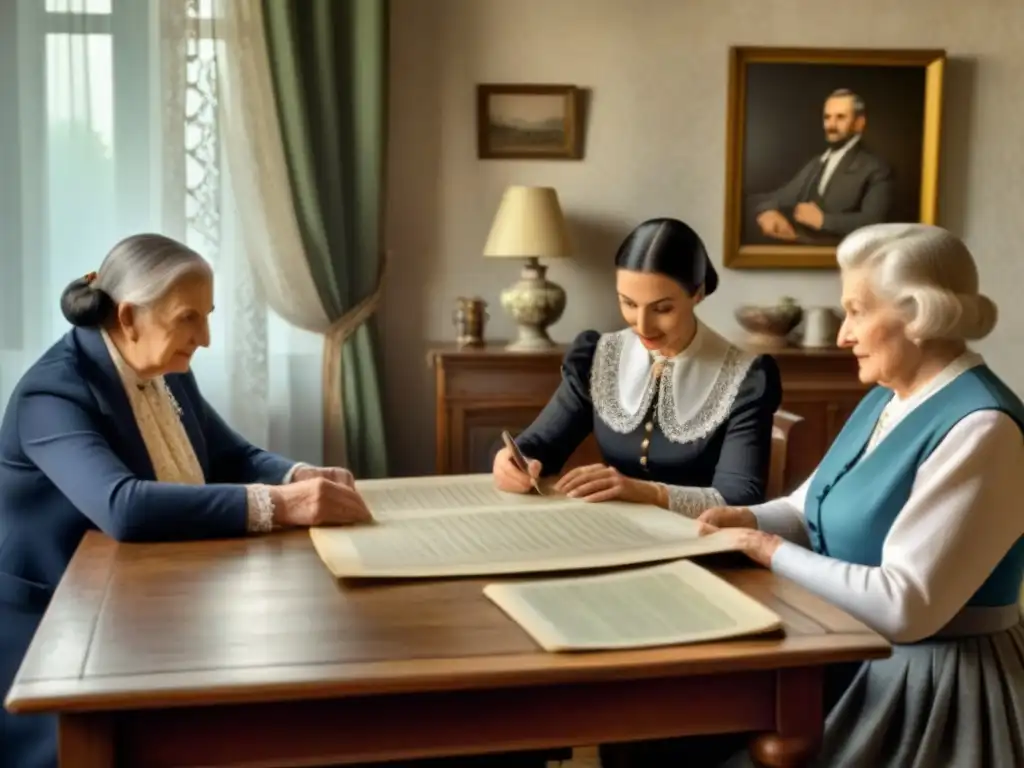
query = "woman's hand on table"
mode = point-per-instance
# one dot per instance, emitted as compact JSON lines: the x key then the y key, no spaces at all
{"x":599,"y":482}
{"x":757,"y":545}
{"x":335,"y":474}
{"x":318,"y":500}
{"x":728,"y":517}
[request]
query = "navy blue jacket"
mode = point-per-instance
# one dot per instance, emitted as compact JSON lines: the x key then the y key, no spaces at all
{"x":72,"y":460}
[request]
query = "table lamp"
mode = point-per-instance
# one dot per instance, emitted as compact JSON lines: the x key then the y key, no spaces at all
{"x":529,"y":225}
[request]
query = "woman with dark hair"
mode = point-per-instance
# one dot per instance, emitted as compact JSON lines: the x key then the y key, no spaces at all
{"x":682,"y":417}
{"x":108,"y":430}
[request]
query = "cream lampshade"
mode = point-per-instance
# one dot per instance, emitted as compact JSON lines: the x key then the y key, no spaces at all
{"x":529,"y":225}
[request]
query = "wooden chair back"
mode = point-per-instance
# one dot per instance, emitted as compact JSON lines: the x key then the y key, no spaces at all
{"x":777,"y":479}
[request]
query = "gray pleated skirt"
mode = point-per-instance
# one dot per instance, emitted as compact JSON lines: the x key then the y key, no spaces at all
{"x":949,"y":703}
{"x":954,"y":702}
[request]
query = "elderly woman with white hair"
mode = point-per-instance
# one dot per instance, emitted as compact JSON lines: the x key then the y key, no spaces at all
{"x":108,"y":430}
{"x":913,"y":521}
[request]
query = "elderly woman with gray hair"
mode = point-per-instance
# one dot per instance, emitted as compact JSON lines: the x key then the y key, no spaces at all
{"x":108,"y":430}
{"x":913,"y":522}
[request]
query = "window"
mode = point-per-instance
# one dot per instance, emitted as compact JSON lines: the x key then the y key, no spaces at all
{"x":78,"y":6}
{"x":79,"y":137}
{"x":115,"y":133}
{"x":129,"y":135}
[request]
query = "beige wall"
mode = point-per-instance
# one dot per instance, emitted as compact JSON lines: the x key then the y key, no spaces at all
{"x":655,"y":146}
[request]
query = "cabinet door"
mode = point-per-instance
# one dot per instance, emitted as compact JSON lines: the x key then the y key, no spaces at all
{"x":481,"y":431}
{"x":477,"y":437}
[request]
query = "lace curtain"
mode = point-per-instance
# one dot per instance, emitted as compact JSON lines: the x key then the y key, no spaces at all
{"x":118,"y":129}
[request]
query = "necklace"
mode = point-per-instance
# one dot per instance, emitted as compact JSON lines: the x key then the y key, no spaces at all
{"x":880,"y":427}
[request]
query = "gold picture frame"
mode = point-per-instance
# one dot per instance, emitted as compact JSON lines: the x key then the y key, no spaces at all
{"x":895,"y":96}
{"x":529,"y":122}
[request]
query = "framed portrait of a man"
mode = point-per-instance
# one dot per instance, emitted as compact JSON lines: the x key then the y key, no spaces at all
{"x":824,"y":141}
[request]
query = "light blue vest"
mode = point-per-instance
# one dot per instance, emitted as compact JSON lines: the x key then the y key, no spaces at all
{"x":852,"y":502}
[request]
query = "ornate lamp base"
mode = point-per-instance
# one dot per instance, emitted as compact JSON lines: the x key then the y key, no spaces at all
{"x":534,"y":303}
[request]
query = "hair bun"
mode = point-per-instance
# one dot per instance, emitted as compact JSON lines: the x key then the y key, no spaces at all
{"x":978,"y":317}
{"x":710,"y":278}
{"x":85,"y":305}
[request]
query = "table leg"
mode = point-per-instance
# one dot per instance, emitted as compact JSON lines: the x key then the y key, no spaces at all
{"x":86,"y":741}
{"x":799,"y":720}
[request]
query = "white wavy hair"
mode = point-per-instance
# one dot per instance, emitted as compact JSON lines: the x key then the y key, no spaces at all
{"x":928,"y":273}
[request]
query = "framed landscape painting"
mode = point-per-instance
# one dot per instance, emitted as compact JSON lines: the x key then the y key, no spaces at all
{"x":528,"y":121}
{"x":823,"y":141}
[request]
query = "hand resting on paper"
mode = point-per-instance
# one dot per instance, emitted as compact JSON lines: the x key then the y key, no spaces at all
{"x":728,"y":517}
{"x":318,"y":501}
{"x":337,"y":474}
{"x":509,"y":478}
{"x":598,"y":482}
{"x":757,"y":545}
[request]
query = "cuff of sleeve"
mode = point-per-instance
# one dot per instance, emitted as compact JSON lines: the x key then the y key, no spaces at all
{"x":780,"y":518}
{"x":794,"y":562}
{"x":260,"y":517}
{"x":691,"y":502}
{"x":291,"y":472}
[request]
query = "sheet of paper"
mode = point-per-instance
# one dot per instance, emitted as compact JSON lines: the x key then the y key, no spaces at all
{"x":670,"y":604}
{"x":504,"y":533}
{"x":419,"y":496}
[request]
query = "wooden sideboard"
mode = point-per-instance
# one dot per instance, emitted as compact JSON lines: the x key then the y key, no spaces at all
{"x":484,"y":390}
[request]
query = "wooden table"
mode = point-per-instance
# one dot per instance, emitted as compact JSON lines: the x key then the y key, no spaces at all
{"x":248,"y":653}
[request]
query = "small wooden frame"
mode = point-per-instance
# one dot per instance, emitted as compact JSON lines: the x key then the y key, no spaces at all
{"x":529,"y":122}
{"x":782,"y":104}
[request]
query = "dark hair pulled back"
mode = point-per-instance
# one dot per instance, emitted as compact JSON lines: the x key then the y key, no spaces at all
{"x":138,"y":270}
{"x":669,"y":247}
{"x":83,"y":304}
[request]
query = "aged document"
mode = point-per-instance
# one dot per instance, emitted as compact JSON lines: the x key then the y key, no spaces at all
{"x":668,"y":604}
{"x":404,"y":497}
{"x":463,"y":526}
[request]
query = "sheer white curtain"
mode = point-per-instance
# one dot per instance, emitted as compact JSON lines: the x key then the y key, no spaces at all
{"x":115,"y":130}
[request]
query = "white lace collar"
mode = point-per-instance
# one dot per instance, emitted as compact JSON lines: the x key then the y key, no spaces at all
{"x":696,"y":389}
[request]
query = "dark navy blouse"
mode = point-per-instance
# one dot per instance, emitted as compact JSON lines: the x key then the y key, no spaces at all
{"x":699,"y":423}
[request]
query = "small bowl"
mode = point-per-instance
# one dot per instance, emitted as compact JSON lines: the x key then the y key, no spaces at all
{"x":770,"y":326}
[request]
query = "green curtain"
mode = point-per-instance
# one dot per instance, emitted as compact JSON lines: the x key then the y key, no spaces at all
{"x":328,"y":60}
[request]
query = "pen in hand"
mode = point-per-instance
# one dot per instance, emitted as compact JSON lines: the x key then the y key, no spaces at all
{"x":520,"y":460}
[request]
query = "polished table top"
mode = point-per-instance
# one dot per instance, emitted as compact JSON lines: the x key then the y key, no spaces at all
{"x":261,"y":619}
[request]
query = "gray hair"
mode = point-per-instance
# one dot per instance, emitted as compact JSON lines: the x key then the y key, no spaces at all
{"x":859,"y":108}
{"x":139,"y":270}
{"x":928,"y":273}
